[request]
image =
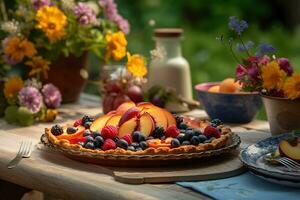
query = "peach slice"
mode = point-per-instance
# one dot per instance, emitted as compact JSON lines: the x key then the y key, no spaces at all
{"x":125,"y":106}
{"x":113,"y":120}
{"x":146,"y":125}
{"x":129,"y":114}
{"x":156,"y":112}
{"x":289,"y":150}
{"x":170,"y":118}
{"x":100,"y":122}
{"x":79,"y":133}
{"x":128,"y":127}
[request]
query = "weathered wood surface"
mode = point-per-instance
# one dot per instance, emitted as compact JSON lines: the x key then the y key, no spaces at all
{"x":52,"y":173}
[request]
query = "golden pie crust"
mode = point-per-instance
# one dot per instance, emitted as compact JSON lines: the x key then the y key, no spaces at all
{"x":215,"y":144}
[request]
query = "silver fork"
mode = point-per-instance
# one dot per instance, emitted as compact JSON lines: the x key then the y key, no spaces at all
{"x":289,"y":163}
{"x":24,"y":152}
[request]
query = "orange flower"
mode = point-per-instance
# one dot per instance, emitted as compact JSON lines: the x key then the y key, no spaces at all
{"x":12,"y":87}
{"x":116,"y":46}
{"x":272,"y":76}
{"x":38,"y":66}
{"x":292,"y":86}
{"x":136,"y":65}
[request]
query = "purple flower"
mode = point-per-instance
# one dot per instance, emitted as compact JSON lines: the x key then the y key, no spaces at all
{"x":31,"y":98}
{"x":285,"y":65}
{"x":253,"y":72}
{"x":84,"y":14}
{"x":264,"y":49}
{"x":37,"y":4}
{"x":237,"y":25}
{"x":240,"y":72}
{"x":52,"y":96}
{"x":242,"y":48}
{"x":111,"y":13}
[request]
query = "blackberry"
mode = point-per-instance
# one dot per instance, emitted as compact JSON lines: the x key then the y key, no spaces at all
{"x":216,"y":122}
{"x":179,"y":120}
{"x":71,"y":130}
{"x":87,"y":119}
{"x":87,"y":125}
{"x":57,"y":130}
{"x":158,"y":132}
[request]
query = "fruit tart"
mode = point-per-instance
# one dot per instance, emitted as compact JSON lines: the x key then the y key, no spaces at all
{"x":139,"y":129}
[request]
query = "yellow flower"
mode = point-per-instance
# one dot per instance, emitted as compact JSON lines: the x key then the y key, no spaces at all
{"x":52,"y":21}
{"x":12,"y":87}
{"x":292,"y":86}
{"x":38,"y":66}
{"x":116,"y":46}
{"x":136,"y":64}
{"x":16,"y":48}
{"x":272,"y":76}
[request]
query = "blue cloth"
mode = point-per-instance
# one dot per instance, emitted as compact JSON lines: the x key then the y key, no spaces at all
{"x":243,"y":187}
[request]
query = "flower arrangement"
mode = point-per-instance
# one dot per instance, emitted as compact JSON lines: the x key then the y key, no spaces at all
{"x":36,"y":33}
{"x":125,"y":82}
{"x":263,"y":71}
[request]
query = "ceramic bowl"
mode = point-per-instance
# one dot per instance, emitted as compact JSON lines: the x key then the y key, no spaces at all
{"x":228,"y":107}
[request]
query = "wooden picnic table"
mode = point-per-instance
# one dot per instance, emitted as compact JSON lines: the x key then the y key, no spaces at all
{"x":52,"y":173}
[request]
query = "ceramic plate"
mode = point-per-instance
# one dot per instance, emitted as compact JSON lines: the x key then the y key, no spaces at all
{"x":253,"y":158}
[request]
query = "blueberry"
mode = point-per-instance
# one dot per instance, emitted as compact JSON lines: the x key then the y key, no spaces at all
{"x":143,"y":145}
{"x":130,"y":148}
{"x":89,"y":139}
{"x":189,"y":128}
{"x":183,"y":126}
{"x":89,"y":145}
{"x":86,"y":133}
{"x":87,"y":125}
{"x":186,"y":142}
{"x":136,"y":136}
{"x":195,"y":140}
{"x":98,"y":141}
{"x":182,"y":131}
{"x":71,"y":130}
{"x":202,"y":138}
{"x":122,"y":144}
{"x":116,"y":139}
{"x":216,"y":122}
{"x":142,"y":137}
{"x":135,"y":145}
{"x":57,"y":130}
{"x":96,"y":133}
{"x":188,"y":134}
{"x":181,"y":137}
{"x":209,"y":140}
{"x":81,"y":143}
{"x":139,"y":149}
{"x":196,"y":132}
{"x":175,"y":143}
{"x":150,"y":138}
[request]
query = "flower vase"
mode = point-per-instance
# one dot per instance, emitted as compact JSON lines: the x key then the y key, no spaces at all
{"x":67,"y":73}
{"x":283,"y":114}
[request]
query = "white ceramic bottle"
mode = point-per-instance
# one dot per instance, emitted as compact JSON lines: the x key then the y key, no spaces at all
{"x":168,"y":68}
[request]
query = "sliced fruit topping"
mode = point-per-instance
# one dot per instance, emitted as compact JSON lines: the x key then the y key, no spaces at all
{"x":57,"y":130}
{"x":172,"y":131}
{"x":124,"y":107}
{"x":109,"y":132}
{"x":289,"y":150}
{"x":128,"y":127}
{"x":129,"y":114}
{"x":109,"y":144}
{"x":170,"y":118}
{"x":78,"y":134}
{"x":100,"y":122}
{"x":146,"y":125}
{"x":211,"y":131}
{"x":113,"y":120}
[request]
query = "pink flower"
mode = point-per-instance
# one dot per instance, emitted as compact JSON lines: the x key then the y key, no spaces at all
{"x":31,"y":98}
{"x":264,"y":60}
{"x":240,"y":72}
{"x":52,"y":96}
{"x":253,"y":72}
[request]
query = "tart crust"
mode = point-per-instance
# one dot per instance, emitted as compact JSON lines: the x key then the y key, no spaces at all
{"x":215,"y":144}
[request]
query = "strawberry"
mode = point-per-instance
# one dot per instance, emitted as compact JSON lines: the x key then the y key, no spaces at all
{"x":78,"y":122}
{"x":211,"y":131}
{"x":127,"y":138}
{"x":172,"y":131}
{"x":109,"y":132}
{"x":109,"y":144}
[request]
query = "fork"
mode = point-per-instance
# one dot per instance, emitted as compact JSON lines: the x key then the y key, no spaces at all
{"x":289,"y":163}
{"x":24,"y":152}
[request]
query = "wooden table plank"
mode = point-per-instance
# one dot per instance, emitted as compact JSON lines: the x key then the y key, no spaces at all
{"x":52,"y":173}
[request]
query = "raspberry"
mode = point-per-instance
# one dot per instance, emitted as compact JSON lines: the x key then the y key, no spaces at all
{"x":211,"y":131}
{"x":172,"y":131}
{"x":78,"y":122}
{"x":127,"y":138}
{"x":109,"y":132}
{"x":109,"y":144}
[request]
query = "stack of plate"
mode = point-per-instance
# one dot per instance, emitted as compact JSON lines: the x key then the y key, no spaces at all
{"x":253,"y":157}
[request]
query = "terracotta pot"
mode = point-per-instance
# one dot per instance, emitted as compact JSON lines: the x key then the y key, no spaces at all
{"x":283,"y":114}
{"x":65,"y":73}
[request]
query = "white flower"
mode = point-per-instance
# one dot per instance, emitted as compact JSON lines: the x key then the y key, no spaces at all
{"x":33,"y":82}
{"x":120,"y":73}
{"x":11,"y":27}
{"x":158,"y":53}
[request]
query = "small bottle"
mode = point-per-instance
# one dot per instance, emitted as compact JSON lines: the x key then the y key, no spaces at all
{"x":168,"y":68}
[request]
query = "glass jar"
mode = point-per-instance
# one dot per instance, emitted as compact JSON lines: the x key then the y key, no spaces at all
{"x":168,"y":68}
